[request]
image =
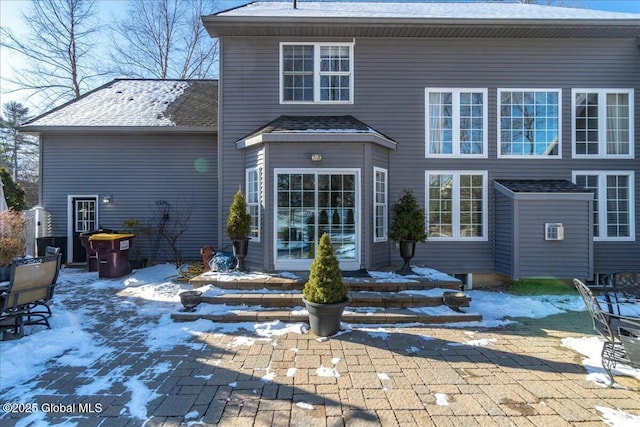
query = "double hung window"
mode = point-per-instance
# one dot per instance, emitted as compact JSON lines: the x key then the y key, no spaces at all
{"x":613,"y":206}
{"x":602,"y":123}
{"x":456,"y":205}
{"x":456,"y":122}
{"x":253,"y":201}
{"x":316,"y":72}
{"x":380,"y":205}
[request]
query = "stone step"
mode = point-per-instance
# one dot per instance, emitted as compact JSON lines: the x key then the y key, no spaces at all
{"x":387,"y":316}
{"x":285,"y":284}
{"x":357,"y":299}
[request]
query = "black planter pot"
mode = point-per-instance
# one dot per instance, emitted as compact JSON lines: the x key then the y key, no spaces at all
{"x":407,"y":251}
{"x":324,"y":319}
{"x":240,"y":249}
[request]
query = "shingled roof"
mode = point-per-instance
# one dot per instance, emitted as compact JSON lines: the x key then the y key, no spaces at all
{"x":316,"y":129}
{"x":137,"y":104}
{"x":541,"y":186}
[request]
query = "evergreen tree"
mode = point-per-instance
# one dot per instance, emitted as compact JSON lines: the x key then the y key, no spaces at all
{"x":239,"y":221}
{"x":12,"y":191}
{"x":325,"y":285}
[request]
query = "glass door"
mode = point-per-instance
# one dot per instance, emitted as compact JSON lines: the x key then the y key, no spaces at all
{"x":310,"y":203}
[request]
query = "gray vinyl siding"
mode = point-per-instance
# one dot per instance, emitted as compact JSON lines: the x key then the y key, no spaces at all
{"x":390,"y":78}
{"x":138,"y":171}
{"x":538,"y":257}
{"x":504,"y":235}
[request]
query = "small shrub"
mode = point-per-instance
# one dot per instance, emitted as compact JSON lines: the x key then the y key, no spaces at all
{"x":325,"y":285}
{"x":407,"y":219}
{"x":239,"y":221}
{"x":13,"y":240}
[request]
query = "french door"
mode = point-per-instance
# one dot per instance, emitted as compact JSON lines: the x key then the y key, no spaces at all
{"x":309,"y":203}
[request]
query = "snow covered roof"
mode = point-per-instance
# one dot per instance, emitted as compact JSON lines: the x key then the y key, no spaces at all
{"x":316,"y":129}
{"x":180,"y":104}
{"x":424,"y":10}
{"x":419,"y":19}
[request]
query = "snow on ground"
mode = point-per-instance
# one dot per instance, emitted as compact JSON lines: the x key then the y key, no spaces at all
{"x":150,"y":296}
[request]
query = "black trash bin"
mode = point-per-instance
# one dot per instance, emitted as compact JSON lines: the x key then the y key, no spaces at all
{"x":92,"y":256}
{"x":112,"y":251}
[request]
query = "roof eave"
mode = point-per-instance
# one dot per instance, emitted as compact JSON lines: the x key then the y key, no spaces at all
{"x":315,"y":137}
{"x":116,"y":129}
{"x":214,"y":23}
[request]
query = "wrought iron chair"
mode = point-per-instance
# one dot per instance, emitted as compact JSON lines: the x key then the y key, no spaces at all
{"x":621,"y":333}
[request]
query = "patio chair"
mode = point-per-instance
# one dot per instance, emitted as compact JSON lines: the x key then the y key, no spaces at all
{"x":622,"y":290}
{"x":621,"y":333}
{"x":24,"y":301}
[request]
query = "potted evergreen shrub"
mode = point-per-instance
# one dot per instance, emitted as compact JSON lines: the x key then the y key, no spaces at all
{"x":239,"y":227}
{"x":325,"y":294}
{"x":407,"y":227}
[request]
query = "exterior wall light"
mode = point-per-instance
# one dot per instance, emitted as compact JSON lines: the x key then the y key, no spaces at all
{"x":316,"y":157}
{"x":107,"y":198}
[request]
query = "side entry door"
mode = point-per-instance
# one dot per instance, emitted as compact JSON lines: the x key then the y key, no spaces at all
{"x":84,"y":217}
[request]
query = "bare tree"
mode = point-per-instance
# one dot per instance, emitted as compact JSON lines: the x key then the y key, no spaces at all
{"x":57,"y":48}
{"x":165,"y":39}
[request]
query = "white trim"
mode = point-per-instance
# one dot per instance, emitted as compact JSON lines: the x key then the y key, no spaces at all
{"x":258,"y":171}
{"x":499,"y":123}
{"x":455,"y":208}
{"x":602,"y":202}
{"x":385,"y":224}
{"x":316,"y":72}
{"x":305,"y":264}
{"x":456,"y":92}
{"x":602,"y":130}
{"x":71,"y":226}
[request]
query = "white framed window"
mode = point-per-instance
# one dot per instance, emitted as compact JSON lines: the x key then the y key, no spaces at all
{"x":613,"y":205}
{"x":380,"y":205}
{"x":602,"y":123}
{"x":456,"y":205}
{"x":253,"y":186}
{"x":456,"y":122}
{"x":529,"y":123}
{"x":316,"y":72}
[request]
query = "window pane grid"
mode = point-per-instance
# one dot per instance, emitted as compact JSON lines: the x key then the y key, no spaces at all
{"x":586,"y":111}
{"x":380,"y":205}
{"x":440,"y":206}
{"x":253,"y":201}
{"x":529,"y":123}
{"x":455,"y":122}
{"x":297,"y":65}
{"x":617,"y":121}
{"x":316,"y":72}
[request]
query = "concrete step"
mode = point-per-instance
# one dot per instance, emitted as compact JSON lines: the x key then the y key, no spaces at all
{"x":357,"y":299}
{"x":387,"y":316}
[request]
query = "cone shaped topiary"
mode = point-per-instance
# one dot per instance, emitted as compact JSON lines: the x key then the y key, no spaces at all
{"x":325,"y":285}
{"x":239,"y":221}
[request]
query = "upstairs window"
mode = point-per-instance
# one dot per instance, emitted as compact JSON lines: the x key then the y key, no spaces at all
{"x":602,"y":123}
{"x":456,"y":122}
{"x":316,"y":72}
{"x":529,"y":123}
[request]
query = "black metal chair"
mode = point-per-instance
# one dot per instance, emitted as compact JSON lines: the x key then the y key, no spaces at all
{"x":621,"y":333}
